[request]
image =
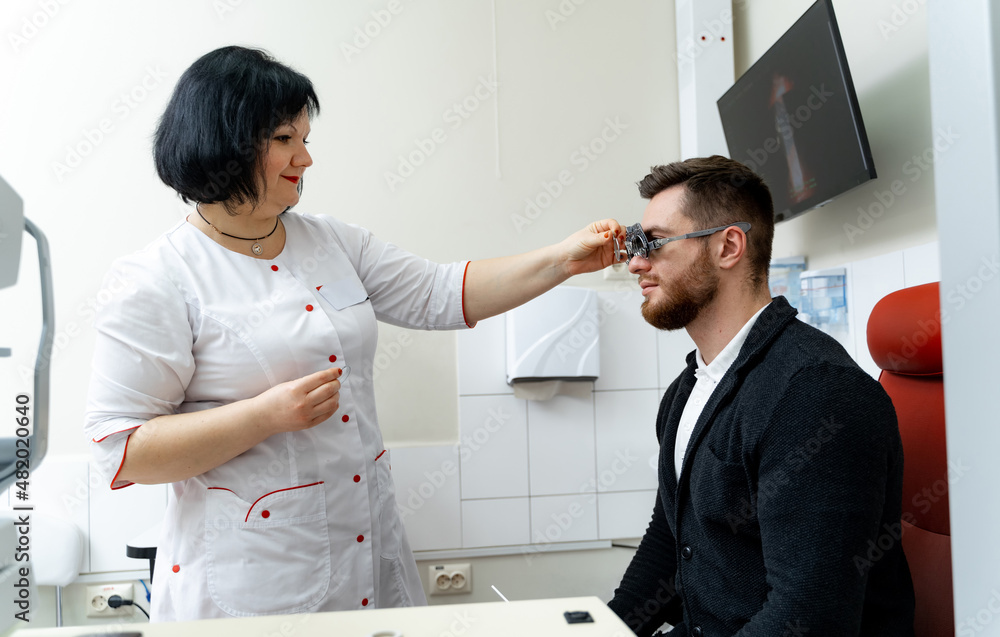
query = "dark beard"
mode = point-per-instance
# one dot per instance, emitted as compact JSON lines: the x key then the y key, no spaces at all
{"x":693,"y":290}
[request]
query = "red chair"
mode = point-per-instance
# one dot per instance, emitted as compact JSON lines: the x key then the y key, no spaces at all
{"x":904,"y":337}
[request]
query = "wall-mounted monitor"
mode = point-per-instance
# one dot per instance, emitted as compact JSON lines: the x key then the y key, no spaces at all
{"x":794,"y":118}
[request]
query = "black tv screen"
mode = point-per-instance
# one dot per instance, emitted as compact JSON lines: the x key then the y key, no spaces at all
{"x":793,"y":117}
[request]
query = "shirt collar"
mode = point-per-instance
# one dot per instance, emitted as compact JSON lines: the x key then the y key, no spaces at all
{"x":715,"y":370}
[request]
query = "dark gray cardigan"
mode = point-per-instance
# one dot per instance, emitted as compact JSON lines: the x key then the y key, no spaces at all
{"x":785,"y":520}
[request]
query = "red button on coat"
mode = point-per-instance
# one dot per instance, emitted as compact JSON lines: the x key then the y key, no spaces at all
{"x":361,"y":538}
{"x":357,"y":478}
{"x":309,"y":308}
{"x":364,"y":602}
{"x":333,"y":358}
{"x":176,"y":568}
{"x":265,"y":514}
{"x":345,"y":418}
{"x":274,"y":267}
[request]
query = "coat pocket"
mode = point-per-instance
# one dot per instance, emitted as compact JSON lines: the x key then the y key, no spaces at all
{"x":271,"y":555}
{"x":720,"y":493}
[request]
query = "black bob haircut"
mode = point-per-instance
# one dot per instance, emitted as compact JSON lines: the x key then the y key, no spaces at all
{"x":210,"y":144}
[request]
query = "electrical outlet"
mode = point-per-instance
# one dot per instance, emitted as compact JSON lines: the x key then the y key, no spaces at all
{"x":97,"y":600}
{"x":450,"y":579}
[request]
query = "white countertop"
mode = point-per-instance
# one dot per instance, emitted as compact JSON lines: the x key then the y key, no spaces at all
{"x":543,"y":617}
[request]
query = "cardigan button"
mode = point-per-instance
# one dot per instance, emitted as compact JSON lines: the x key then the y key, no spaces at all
{"x":687,"y":552}
{"x":696,"y":631}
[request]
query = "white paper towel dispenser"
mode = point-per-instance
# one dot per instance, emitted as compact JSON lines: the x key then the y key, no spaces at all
{"x":554,"y":337}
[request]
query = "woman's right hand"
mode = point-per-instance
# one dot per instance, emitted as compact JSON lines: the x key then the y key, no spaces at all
{"x":300,"y":404}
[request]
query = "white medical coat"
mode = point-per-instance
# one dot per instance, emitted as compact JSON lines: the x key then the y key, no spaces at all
{"x":304,"y":521}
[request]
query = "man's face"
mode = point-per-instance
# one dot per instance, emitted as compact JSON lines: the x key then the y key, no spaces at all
{"x":680,"y":278}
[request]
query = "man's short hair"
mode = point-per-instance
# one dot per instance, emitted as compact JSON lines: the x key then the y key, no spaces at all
{"x":719,"y":191}
{"x":211,"y":141}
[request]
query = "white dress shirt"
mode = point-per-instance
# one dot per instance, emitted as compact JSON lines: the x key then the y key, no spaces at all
{"x":304,"y":521}
{"x":707,"y":377}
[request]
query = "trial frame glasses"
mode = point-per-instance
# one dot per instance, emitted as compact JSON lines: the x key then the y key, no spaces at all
{"x":636,"y":243}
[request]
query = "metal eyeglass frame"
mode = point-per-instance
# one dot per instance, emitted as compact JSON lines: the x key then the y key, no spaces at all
{"x":636,"y":243}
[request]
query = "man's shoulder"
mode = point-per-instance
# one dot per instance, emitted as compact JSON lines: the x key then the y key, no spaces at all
{"x":805,"y":365}
{"x":802,"y":345}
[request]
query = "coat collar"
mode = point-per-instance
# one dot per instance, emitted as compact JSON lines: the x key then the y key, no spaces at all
{"x":769,"y":325}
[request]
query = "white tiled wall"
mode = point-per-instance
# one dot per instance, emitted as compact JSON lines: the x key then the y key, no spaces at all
{"x":67,"y":488}
{"x":427,"y":486}
{"x":626,"y":440}
{"x":564,"y":518}
{"x":561,"y":445}
{"x":494,"y":522}
{"x":628,"y":344}
{"x":493,"y":439}
{"x":620,"y":513}
{"x":530,"y":471}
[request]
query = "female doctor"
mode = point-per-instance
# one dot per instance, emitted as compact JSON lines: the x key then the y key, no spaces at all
{"x":222,"y":367}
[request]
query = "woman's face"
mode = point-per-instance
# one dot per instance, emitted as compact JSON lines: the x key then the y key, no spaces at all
{"x":285,"y":163}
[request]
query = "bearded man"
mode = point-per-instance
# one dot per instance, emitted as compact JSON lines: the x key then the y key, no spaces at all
{"x":780,"y":461}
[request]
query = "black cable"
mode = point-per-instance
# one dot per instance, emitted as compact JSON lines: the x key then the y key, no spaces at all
{"x":116,"y":601}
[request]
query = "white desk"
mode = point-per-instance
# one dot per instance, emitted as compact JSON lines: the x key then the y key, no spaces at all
{"x":543,"y":617}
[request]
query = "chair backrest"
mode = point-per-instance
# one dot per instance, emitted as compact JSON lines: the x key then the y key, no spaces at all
{"x":904,"y":337}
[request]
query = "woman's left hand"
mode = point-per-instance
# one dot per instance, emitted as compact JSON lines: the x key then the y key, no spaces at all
{"x":592,"y":248}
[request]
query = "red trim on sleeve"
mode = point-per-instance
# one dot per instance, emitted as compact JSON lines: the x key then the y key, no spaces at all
{"x":379,"y":455}
{"x":115,"y":479}
{"x":115,"y":432}
{"x":465,"y":274}
{"x":272,"y":493}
